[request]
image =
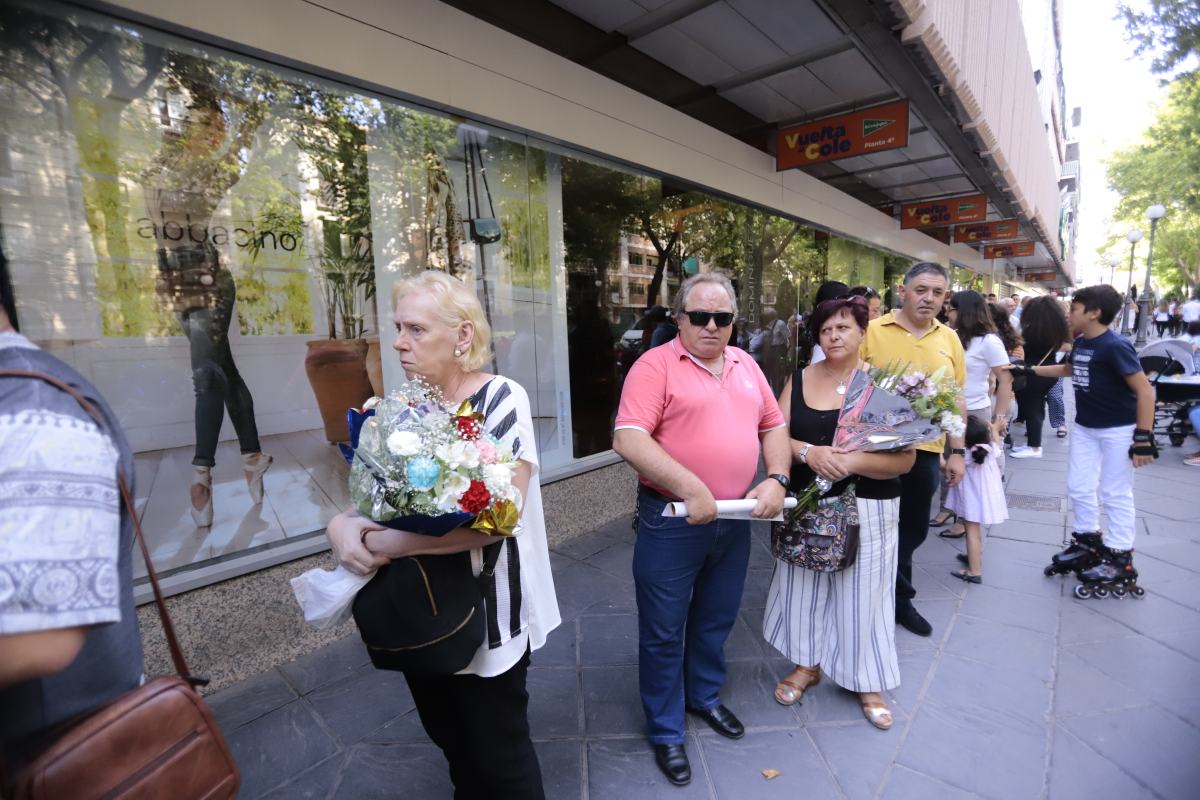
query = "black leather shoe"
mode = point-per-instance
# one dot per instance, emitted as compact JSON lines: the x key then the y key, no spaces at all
{"x":673,"y":761}
{"x":908,"y":618}
{"x":722,"y":720}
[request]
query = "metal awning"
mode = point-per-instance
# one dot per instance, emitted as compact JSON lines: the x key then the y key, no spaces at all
{"x":750,"y":67}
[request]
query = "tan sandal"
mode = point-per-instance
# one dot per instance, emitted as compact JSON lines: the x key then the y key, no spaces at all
{"x":878,"y":714}
{"x":788,"y":693}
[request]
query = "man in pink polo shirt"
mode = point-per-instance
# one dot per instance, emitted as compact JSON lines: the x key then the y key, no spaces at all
{"x":694,"y":414}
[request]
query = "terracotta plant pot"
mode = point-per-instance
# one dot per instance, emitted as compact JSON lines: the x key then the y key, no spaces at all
{"x":375,"y":365}
{"x":337,"y":371}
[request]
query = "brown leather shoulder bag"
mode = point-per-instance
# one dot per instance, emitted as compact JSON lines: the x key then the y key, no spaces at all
{"x":159,"y":740}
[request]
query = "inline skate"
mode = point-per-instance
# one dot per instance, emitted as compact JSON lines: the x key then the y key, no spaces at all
{"x":1113,"y":575}
{"x":1082,"y":553}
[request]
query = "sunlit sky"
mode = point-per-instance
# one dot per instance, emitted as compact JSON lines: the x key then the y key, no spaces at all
{"x":1118,"y":94}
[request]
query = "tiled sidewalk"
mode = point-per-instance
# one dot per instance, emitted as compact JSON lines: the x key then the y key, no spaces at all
{"x":1021,"y":692}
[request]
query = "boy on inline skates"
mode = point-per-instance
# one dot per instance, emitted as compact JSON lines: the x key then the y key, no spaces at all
{"x":1112,"y":435}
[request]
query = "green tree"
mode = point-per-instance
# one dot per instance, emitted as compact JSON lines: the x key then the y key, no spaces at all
{"x":1170,"y":30}
{"x":1164,"y":167}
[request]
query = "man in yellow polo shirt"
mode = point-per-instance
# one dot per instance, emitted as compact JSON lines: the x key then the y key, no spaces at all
{"x":912,"y":335}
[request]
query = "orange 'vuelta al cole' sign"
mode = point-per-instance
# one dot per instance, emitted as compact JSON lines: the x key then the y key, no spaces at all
{"x":1008,"y":250}
{"x":935,"y":213}
{"x":986,"y":231}
{"x":882,"y":127}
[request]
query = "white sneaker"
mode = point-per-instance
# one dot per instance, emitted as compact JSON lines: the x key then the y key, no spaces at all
{"x":1027,"y":452}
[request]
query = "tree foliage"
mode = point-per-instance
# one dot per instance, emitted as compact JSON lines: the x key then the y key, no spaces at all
{"x":1170,"y":31}
{"x":1164,"y":167}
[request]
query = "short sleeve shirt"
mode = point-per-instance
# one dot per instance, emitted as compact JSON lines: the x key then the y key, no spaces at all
{"x":889,"y":343}
{"x":983,"y":353}
{"x":709,"y":426}
{"x":1099,"y":367}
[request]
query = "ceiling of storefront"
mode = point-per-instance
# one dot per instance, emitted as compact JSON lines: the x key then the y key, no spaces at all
{"x":749,"y":67}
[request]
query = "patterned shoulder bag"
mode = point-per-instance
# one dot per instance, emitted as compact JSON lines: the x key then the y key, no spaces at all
{"x":824,"y":539}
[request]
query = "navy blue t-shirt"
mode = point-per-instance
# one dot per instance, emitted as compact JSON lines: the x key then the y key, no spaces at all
{"x":1102,"y":397}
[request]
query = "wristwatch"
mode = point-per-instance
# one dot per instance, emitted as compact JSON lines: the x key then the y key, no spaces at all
{"x":784,"y":480}
{"x":958,"y":451}
{"x":804,"y":453}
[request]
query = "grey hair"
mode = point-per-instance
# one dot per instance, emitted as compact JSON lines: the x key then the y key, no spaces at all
{"x":719,"y":278}
{"x":925,"y":268}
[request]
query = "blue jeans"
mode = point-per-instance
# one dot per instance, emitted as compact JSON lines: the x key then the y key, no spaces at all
{"x":689,"y":581}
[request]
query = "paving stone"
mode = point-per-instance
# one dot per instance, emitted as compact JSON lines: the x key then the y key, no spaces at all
{"x":1080,"y":623}
{"x":735,"y":767}
{"x":915,"y":666}
{"x":745,"y":642}
{"x":383,"y":771}
{"x":250,"y":699}
{"x":358,"y":704}
{"x":858,"y":755}
{"x":1005,"y":698}
{"x":331,"y":662}
{"x":906,"y":784}
{"x":278,"y":745}
{"x":939,"y":613}
{"x":1148,"y":615}
{"x":562,"y":768}
{"x":559,"y":649}
{"x":315,"y":783}
{"x":587,"y":545}
{"x":625,"y":768}
{"x":1077,"y":772}
{"x":760,"y":556}
{"x":758,"y":582}
{"x":609,"y":640}
{"x":1003,"y":645}
{"x":1012,"y":608}
{"x":1183,"y":555}
{"x":1169,"y":677}
{"x":616,"y":560}
{"x":553,"y":702}
{"x":1081,"y":688}
{"x":611,"y":702}
{"x":980,"y":755}
{"x":1181,"y":592}
{"x":579,"y":586}
{"x":1147,"y":743}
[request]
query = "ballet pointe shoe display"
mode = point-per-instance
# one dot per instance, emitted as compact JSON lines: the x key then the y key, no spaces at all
{"x":202,"y":504}
{"x":256,"y":466}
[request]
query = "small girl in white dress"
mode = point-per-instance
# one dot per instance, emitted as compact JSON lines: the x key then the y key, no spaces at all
{"x":978,"y":498}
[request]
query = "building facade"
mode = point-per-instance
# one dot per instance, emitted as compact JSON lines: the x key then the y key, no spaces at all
{"x":222,"y":195}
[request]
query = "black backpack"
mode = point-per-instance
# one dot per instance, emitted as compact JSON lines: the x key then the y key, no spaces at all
{"x":425,"y":614}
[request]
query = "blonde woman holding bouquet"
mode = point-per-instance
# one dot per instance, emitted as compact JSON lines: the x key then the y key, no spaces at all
{"x":842,"y":623}
{"x":478,"y":717}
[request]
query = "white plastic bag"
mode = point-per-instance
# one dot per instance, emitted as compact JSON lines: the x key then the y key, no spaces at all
{"x":326,"y":596}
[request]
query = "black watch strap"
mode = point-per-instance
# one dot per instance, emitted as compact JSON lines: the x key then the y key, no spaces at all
{"x":958,"y":451}
{"x":784,"y":480}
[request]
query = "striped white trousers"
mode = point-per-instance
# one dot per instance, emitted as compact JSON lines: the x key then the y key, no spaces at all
{"x":843,"y":621}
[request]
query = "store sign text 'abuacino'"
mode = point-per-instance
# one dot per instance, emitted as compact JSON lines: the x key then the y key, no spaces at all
{"x":883,"y":127}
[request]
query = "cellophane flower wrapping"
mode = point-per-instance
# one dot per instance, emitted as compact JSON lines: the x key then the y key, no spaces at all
{"x":890,"y":408}
{"x":419,"y":466}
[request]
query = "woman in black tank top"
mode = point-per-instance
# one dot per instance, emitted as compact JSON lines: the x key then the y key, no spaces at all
{"x":839,"y":623}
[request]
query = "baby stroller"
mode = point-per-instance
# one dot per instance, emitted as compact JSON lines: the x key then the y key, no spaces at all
{"x":1171,"y":359}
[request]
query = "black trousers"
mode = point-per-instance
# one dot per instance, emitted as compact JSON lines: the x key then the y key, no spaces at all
{"x":917,"y":489}
{"x":215,"y":378}
{"x":1031,"y":405}
{"x":482,"y":727}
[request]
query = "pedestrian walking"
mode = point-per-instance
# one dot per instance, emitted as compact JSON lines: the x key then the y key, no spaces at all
{"x":1045,"y":331}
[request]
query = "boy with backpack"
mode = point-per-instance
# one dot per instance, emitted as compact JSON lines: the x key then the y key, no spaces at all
{"x":1113,"y":434}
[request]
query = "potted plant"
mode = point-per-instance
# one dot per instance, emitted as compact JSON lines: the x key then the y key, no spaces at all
{"x":338,"y":368}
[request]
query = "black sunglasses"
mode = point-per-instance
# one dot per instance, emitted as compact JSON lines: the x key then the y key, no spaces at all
{"x":701,"y":318}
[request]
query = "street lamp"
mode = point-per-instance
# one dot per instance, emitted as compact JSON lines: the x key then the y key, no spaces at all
{"x":1112,"y":270}
{"x":1133,"y":237}
{"x":1154,"y":213}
